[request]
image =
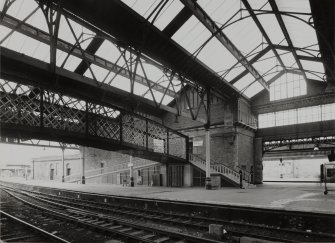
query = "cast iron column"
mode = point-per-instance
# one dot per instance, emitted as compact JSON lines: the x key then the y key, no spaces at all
{"x":63,"y":161}
{"x":83,"y":167}
{"x":208,"y":160}
{"x":131,"y":165}
{"x":208,"y":143}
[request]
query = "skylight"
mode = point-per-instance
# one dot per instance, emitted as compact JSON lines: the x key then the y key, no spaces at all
{"x":193,"y":36}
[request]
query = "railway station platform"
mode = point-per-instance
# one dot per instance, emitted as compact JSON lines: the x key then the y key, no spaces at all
{"x":305,"y":197}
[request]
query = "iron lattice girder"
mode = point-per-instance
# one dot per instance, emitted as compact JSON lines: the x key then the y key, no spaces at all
{"x":204,"y":18}
{"x":62,"y":45}
{"x":36,"y":72}
{"x":269,"y":145}
{"x":56,"y":114}
{"x":35,"y":143}
{"x":287,"y":36}
{"x":138,"y":33}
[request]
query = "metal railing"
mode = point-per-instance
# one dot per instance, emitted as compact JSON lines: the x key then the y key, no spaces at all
{"x":222,"y":169}
{"x":51,"y":110}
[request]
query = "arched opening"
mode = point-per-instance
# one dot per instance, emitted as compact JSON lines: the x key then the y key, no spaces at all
{"x":68,"y":169}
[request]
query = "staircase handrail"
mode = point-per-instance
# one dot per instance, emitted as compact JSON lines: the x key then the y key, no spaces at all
{"x":215,"y":163}
{"x":246,"y":175}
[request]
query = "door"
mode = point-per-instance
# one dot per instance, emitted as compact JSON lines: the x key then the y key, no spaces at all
{"x":52,"y":174}
{"x":176,"y":175}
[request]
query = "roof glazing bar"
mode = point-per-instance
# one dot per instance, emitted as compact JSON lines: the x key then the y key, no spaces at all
{"x":287,"y":36}
{"x":262,"y":30}
{"x":44,"y":37}
{"x":204,"y":18}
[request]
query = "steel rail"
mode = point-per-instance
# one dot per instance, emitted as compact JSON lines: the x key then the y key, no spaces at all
{"x":37,"y":229}
{"x":81,"y":212}
{"x":182,"y":219}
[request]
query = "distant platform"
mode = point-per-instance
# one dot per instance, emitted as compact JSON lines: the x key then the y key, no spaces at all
{"x":285,"y":196}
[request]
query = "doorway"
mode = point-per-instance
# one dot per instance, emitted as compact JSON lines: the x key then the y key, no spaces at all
{"x":175,"y":176}
{"x":52,"y":174}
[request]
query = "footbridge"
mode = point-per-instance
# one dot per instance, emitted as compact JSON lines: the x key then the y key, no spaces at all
{"x":29,"y":109}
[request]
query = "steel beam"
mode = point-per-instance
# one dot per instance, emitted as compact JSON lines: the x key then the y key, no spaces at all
{"x":21,"y":131}
{"x":206,"y":20}
{"x":253,"y":60}
{"x":37,"y":73}
{"x":64,"y":115}
{"x":62,"y":45}
{"x":91,"y":49}
{"x":136,"y":32}
{"x":278,"y":75}
{"x":287,"y":36}
{"x":309,"y":58}
{"x":177,"y":22}
{"x":35,"y":143}
{"x":262,"y":30}
{"x":294,"y":103}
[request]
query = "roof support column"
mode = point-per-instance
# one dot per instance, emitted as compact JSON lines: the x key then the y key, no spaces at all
{"x":208,"y":181}
{"x":52,"y":16}
{"x":208,"y":160}
{"x":83,"y":166}
{"x":131,"y":170}
{"x":63,"y":162}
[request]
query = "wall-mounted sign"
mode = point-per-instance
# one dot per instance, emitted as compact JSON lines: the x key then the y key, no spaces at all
{"x":197,"y":143}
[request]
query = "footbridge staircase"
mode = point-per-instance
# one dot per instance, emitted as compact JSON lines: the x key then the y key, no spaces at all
{"x":228,"y":174}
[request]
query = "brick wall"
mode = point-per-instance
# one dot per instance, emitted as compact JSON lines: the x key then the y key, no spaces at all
{"x":258,"y":158}
{"x":230,"y":145}
{"x":94,"y":157}
{"x":245,"y":148}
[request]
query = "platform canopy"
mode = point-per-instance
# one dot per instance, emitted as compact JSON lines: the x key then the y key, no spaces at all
{"x":154,"y":48}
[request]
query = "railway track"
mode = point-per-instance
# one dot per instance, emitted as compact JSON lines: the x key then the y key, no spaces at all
{"x":14,"y":229}
{"x":125,"y":231}
{"x":191,"y":224}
